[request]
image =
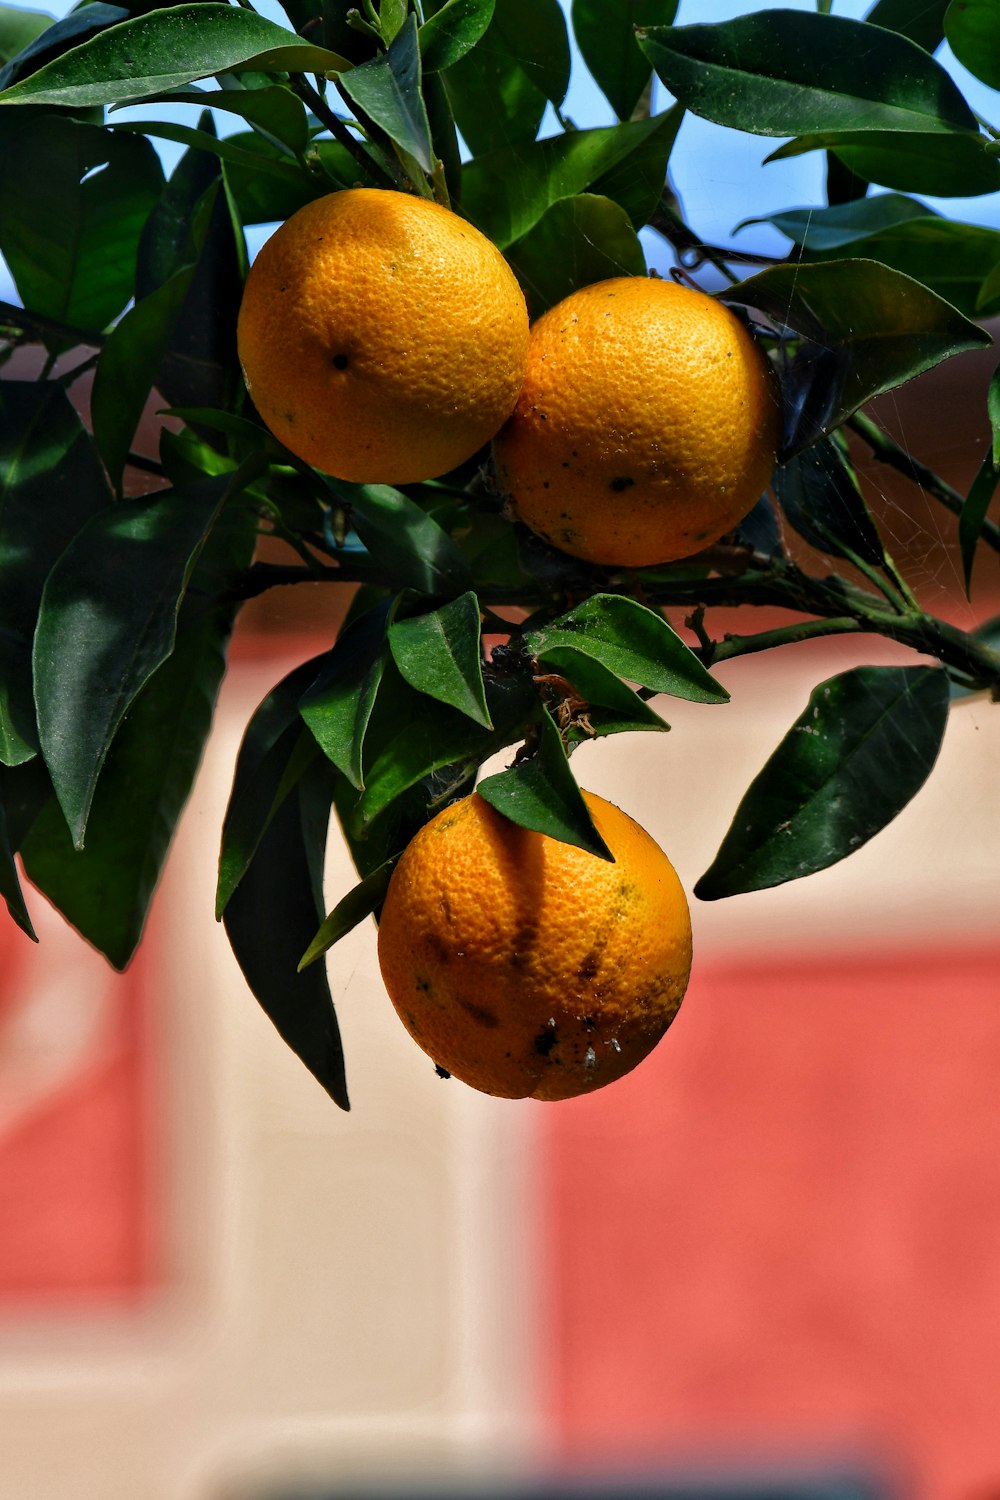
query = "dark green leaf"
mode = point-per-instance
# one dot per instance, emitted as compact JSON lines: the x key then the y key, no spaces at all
{"x":337,"y":705}
{"x":263,"y":195}
{"x":270,"y":920}
{"x":440,"y":653}
{"x":20,"y":27}
{"x":973,"y":31}
{"x":135,"y":351}
{"x":506,"y":192}
{"x":609,"y":705}
{"x":10,"y":882}
{"x":783,"y":72}
{"x":108,"y":619}
{"x":387,"y":89}
{"x":105,"y":889}
{"x":402,"y":538}
{"x":923,"y":23}
{"x":634,"y":643}
{"x":863,"y":747}
{"x":270,"y":762}
{"x":51,"y":482}
{"x":875,"y":329}
{"x":449,"y":33}
{"x":274,"y":110}
{"x":166,"y":49}
{"x":576,"y":242}
{"x":829,"y":229}
{"x":818,"y":492}
{"x":59,"y":37}
{"x":365,"y":898}
{"x":75,"y":198}
{"x":993,"y":412}
{"x":947,"y":166}
{"x":542,"y":794}
{"x":500,"y":89}
{"x":606,"y":37}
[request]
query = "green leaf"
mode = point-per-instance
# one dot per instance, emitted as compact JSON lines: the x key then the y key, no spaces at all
{"x":270,"y":762}
{"x":542,"y":794}
{"x":75,"y":199}
{"x":449,"y":33}
{"x":10,"y":882}
{"x":634,"y":643}
{"x":576,"y":242}
{"x":60,"y":37}
{"x":366,"y":897}
{"x":105,"y":889}
{"x":783,"y":72}
{"x":605,"y":33}
{"x":51,"y":482}
{"x":440,"y":653}
{"x":23,"y":793}
{"x":863,"y":747}
{"x":402,"y":538}
{"x":277,"y":113}
{"x":272,"y":917}
{"x":973,"y":31}
{"x":108,"y":619}
{"x":166,"y":49}
{"x":264,"y":195}
{"x":923,"y":23}
{"x":499,"y":90}
{"x":983,"y":488}
{"x":387,"y":89}
{"x":610,"y":706}
{"x":135,"y":350}
{"x":506,"y":192}
{"x":337,"y":705}
{"x":827,"y":229}
{"x":946,"y":166}
{"x":19,"y":27}
{"x":819,"y":493}
{"x":875,"y":327}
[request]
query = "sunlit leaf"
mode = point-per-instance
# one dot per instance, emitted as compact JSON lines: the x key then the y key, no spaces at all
{"x":440,"y":653}
{"x":972,"y":28}
{"x":541,"y":794}
{"x":861,"y":750}
{"x":337,"y":703}
{"x":946,"y":166}
{"x":452,"y":31}
{"x":387,"y":89}
{"x":500,"y":89}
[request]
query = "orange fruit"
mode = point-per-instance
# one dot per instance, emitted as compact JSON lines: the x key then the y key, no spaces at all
{"x":647,"y":425}
{"x":382,"y":337}
{"x":528,"y":967}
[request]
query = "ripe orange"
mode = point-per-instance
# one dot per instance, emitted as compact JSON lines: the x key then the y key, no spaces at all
{"x":647,"y":425}
{"x":382,"y":337}
{"x":528,"y":967}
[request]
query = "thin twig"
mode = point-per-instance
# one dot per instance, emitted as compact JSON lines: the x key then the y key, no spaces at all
{"x":338,"y":129}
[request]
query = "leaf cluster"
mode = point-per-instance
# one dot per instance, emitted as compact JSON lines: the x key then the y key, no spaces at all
{"x":122,"y":572}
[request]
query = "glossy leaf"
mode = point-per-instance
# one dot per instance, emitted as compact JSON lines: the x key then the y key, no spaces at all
{"x":105,"y":889}
{"x":273,"y":110}
{"x":75,"y":198}
{"x":609,"y":705}
{"x":605,"y":34}
{"x":108,"y":619}
{"x":946,"y":166}
{"x":818,"y":492}
{"x":576,"y":242}
{"x":506,"y":192}
{"x":166,"y":49}
{"x":633,"y":642}
{"x":825,"y":230}
{"x":452,"y":31}
{"x":270,"y":762}
{"x":542,"y":794}
{"x":18,"y":28}
{"x":414,"y":549}
{"x":863,"y":747}
{"x":67,"y":32}
{"x":973,"y":31}
{"x":337,"y":704}
{"x":267,"y":188}
{"x":500,"y":89}
{"x":440,"y":654}
{"x":360,"y":902}
{"x":874,"y":328}
{"x":782,"y":72}
{"x":270,"y":920}
{"x":51,"y":482}
{"x":923,"y":23}
{"x":387,"y":89}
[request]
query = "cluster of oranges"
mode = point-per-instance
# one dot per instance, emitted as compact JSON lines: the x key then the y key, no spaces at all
{"x":384,"y":339}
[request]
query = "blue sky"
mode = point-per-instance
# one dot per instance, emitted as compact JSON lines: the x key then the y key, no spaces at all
{"x":717,"y":173}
